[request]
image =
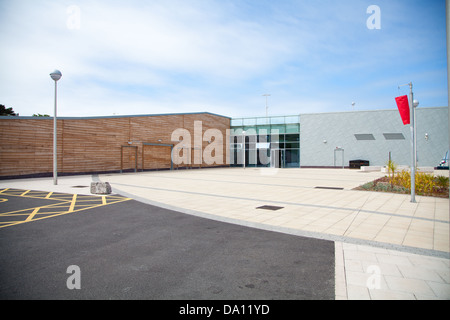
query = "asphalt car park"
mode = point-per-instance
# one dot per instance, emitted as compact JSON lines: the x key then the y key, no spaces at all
{"x":65,"y":246}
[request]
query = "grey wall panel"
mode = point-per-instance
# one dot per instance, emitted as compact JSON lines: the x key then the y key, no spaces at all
{"x":320,"y":134}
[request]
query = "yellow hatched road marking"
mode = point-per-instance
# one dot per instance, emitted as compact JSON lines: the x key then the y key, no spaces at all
{"x":72,"y":205}
{"x":65,"y":203}
{"x":31,"y":216}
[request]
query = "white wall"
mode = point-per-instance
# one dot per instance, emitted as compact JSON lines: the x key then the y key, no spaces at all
{"x":339,"y":129}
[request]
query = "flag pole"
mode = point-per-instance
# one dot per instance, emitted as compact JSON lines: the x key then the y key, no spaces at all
{"x":404,"y":114}
{"x":413,"y":144}
{"x":447,"y":13}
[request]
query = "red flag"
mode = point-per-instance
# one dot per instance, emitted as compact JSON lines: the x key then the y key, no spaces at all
{"x":403,"y":108}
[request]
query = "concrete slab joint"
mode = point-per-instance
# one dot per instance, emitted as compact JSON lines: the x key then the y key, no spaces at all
{"x":100,"y":188}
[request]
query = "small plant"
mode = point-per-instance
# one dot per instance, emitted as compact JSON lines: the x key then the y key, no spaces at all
{"x":403,"y":178}
{"x":391,"y":171}
{"x":442,"y":182}
{"x":425,"y":182}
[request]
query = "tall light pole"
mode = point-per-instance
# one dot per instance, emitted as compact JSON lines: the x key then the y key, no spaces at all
{"x":266,"y":95}
{"x":447,"y":14}
{"x":55,"y":75}
{"x":413,"y":143}
{"x":243,"y":146}
{"x":412,"y":105}
{"x":415,"y":104}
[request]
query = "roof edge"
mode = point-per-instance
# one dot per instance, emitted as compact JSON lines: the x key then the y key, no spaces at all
{"x":113,"y":116}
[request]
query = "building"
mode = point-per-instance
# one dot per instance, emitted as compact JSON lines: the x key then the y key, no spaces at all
{"x":109,"y":144}
{"x":199,"y":140}
{"x":334,"y":139}
{"x":269,"y":141}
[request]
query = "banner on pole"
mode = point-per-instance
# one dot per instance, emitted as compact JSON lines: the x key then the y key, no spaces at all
{"x":403,"y":108}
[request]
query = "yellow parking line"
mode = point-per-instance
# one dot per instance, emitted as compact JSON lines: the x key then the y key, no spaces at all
{"x":72,"y":205}
{"x":31,"y":216}
{"x":66,"y":203}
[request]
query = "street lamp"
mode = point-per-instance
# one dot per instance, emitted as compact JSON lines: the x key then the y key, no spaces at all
{"x":415,"y":104}
{"x":412,"y":112}
{"x":55,"y":75}
{"x":243,"y":146}
{"x":266,"y":95}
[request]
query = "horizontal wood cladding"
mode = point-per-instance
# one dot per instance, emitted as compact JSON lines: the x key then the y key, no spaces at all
{"x":94,"y":144}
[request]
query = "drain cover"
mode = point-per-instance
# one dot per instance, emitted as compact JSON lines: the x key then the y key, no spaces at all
{"x":80,"y":186}
{"x":329,"y":188}
{"x":273,"y":208}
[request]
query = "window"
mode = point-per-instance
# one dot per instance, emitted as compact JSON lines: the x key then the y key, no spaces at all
{"x":394,"y":136}
{"x":364,"y":136}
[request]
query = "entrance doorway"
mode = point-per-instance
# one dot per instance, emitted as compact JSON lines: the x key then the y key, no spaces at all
{"x":277,"y":158}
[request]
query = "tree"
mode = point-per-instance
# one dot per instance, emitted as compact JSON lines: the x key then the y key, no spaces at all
{"x":7,"y":111}
{"x":40,"y":115}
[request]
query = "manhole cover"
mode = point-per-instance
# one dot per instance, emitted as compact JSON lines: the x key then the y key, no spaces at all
{"x":273,"y":208}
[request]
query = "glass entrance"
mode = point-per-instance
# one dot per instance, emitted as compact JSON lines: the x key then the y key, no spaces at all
{"x":277,"y":158}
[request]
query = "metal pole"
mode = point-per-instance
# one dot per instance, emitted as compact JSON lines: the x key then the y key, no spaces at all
{"x":447,"y":10}
{"x":243,"y":146}
{"x":55,"y":156}
{"x":266,"y":95}
{"x":413,"y":145}
{"x":415,"y":137}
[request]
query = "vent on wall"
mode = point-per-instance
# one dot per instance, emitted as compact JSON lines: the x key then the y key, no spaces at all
{"x":364,"y":136}
{"x":394,"y":136}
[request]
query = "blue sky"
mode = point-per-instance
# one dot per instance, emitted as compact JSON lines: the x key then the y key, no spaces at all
{"x":220,"y":56}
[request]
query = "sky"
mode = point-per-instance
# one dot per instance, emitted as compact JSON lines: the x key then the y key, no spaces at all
{"x":220,"y":56}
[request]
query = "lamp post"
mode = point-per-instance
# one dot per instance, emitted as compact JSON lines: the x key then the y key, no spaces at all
{"x":243,"y":146}
{"x":55,"y":75}
{"x":266,"y":95}
{"x":412,"y":111}
{"x":413,"y":144}
{"x":415,"y":104}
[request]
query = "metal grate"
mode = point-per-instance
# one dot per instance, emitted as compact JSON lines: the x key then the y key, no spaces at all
{"x":330,"y":188}
{"x":394,"y":136}
{"x":272,"y":208}
{"x":364,"y":136}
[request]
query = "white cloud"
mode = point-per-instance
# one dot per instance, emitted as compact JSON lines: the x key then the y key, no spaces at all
{"x":192,"y":55}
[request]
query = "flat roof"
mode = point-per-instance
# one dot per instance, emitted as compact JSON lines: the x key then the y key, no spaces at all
{"x":113,"y":116}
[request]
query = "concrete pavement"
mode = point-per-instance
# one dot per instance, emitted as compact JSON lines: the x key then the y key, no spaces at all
{"x":385,"y":246}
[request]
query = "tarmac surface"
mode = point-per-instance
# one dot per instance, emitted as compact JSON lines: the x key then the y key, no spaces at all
{"x":132,"y":250}
{"x":304,"y":222}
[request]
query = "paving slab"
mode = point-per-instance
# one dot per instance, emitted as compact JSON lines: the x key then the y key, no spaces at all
{"x":409,"y":235}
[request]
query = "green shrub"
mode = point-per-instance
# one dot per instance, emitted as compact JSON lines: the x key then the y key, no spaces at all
{"x":425,"y":182}
{"x":442,"y":182}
